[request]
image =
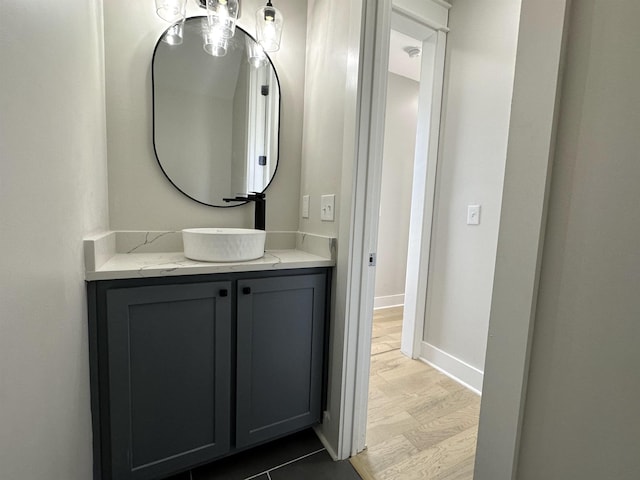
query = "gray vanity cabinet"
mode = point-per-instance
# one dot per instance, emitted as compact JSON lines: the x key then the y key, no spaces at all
{"x":280,"y":351}
{"x":189,"y":369}
{"x":169,"y":349}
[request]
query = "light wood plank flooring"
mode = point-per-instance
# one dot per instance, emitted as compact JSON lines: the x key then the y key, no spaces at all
{"x":421,"y":425}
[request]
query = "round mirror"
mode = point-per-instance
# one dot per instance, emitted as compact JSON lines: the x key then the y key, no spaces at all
{"x":215,"y":118}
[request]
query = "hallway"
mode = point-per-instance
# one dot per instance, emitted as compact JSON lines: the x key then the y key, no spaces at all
{"x":421,"y":424}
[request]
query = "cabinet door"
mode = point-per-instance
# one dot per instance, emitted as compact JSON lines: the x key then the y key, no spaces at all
{"x":169,"y":352}
{"x":279,"y":355}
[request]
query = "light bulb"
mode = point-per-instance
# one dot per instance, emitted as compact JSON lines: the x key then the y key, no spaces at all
{"x":269,"y":31}
{"x":222,"y":15}
{"x":171,"y":10}
{"x":213,"y":41}
{"x":174,"y":34}
{"x":255,"y":53}
{"x":223,"y":11}
{"x":269,"y":23}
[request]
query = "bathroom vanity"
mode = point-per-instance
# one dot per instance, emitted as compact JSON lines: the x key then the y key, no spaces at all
{"x":193,"y":363}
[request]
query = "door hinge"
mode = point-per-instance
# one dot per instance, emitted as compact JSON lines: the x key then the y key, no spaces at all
{"x":372,"y":259}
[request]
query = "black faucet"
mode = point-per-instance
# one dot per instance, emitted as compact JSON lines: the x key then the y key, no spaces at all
{"x":260,"y":207}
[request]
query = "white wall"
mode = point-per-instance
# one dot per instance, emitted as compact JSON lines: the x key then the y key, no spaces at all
{"x":205,"y":126}
{"x":331,"y":82}
{"x":480,"y":63}
{"x":397,"y":177}
{"x":140,"y":197}
{"x":52,"y":192}
{"x":327,"y":30}
{"x":581,"y":418}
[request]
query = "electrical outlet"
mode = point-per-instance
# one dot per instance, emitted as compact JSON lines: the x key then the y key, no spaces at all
{"x":327,"y":207}
{"x":473,"y":214}
{"x":305,"y":206}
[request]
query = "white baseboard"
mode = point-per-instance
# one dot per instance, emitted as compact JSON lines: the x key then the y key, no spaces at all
{"x":453,"y":367}
{"x":325,"y":443}
{"x":388,"y":301}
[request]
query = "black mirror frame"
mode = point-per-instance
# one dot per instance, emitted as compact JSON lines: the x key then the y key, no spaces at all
{"x":153,"y":120}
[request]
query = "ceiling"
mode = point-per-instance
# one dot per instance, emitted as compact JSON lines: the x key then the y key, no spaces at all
{"x":399,"y":61}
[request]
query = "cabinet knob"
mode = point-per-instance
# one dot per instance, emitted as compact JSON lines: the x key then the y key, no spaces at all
{"x":246,"y":290}
{"x":224,"y":292}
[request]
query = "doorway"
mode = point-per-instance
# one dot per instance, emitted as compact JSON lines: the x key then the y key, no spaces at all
{"x":401,"y":118}
{"x":408,"y":173}
{"x":520,"y":247}
{"x":431,"y":38}
{"x":420,"y":422}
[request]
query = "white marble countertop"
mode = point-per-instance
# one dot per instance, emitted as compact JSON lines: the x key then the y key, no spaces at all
{"x":143,"y":265}
{"x":104,"y":262}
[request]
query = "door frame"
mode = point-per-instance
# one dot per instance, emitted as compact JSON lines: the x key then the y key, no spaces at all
{"x":372,"y":106}
{"x":424,"y":183}
{"x":536,"y":95}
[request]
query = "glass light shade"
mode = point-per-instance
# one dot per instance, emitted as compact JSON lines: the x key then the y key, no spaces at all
{"x":213,"y":42}
{"x":255,"y":53}
{"x":222,"y":15}
{"x":269,"y":23}
{"x":174,"y":34}
{"x":171,"y":10}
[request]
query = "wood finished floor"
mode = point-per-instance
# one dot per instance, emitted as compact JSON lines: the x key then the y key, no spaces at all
{"x":421,"y":425}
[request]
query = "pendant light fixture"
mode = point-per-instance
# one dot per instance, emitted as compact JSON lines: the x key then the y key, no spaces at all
{"x":171,"y":11}
{"x":174,"y":34}
{"x":220,"y":24}
{"x":223,"y":15}
{"x":212,"y":40}
{"x":255,"y":53}
{"x":269,"y":23}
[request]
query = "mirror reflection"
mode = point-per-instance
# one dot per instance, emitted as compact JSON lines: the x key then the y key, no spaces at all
{"x":215,"y":118}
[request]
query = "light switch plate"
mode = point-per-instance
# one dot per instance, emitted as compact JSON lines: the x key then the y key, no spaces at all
{"x":327,"y":207}
{"x":473,"y":214}
{"x":305,"y":206}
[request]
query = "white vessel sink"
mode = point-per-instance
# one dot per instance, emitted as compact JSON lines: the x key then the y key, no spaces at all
{"x":223,"y":244}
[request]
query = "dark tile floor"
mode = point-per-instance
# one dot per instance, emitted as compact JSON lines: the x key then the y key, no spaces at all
{"x":297,"y":456}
